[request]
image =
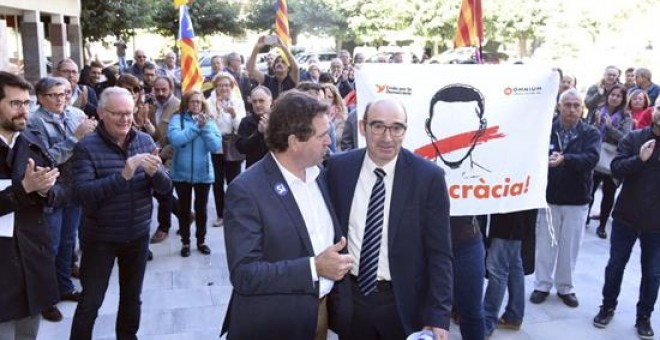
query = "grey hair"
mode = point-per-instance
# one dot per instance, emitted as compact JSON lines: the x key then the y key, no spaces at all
{"x":44,"y":84}
{"x":570,"y":92}
{"x":113,"y":92}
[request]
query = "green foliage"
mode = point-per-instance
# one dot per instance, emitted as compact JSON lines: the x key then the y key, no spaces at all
{"x":210,"y":16}
{"x":102,"y":18}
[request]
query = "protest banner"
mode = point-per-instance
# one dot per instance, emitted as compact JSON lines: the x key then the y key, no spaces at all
{"x":487,"y":126}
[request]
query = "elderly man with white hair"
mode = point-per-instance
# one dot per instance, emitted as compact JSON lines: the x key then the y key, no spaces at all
{"x":116,"y":168}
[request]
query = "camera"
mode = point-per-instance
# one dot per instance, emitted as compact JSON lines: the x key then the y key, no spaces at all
{"x":270,"y":40}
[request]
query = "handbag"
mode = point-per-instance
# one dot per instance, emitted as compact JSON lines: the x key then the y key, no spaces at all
{"x":607,"y":154}
{"x":229,"y":149}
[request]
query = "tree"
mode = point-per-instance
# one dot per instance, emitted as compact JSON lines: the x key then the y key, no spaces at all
{"x":435,"y":21}
{"x":519,"y":21}
{"x":208,"y":17}
{"x":119,"y":18}
{"x":318,"y":17}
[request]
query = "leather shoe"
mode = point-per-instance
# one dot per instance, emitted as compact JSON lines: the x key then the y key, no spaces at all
{"x":185,"y":250}
{"x":52,"y":314}
{"x":569,"y":300}
{"x":538,"y":296}
{"x":159,"y":236}
{"x":601,"y":232}
{"x":73,"y":296}
{"x":204,"y":249}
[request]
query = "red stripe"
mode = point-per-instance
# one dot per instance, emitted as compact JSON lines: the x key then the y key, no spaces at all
{"x":457,"y":142}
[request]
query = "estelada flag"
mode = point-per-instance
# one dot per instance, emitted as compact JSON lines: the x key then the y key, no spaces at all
{"x":470,"y":29}
{"x":191,"y":76}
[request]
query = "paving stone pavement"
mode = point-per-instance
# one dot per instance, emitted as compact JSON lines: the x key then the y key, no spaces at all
{"x":186,"y":298}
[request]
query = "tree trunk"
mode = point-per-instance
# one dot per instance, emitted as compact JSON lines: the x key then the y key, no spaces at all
{"x":522,"y":46}
{"x":435,"y":48}
{"x":339,"y":42}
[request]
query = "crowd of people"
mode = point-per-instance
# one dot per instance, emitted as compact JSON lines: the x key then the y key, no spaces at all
{"x":313,"y":226}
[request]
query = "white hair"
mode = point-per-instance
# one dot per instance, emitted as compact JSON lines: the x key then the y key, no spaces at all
{"x":113,"y":92}
{"x":570,"y":92}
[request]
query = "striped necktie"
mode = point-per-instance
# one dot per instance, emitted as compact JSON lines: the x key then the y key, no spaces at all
{"x":372,"y":235}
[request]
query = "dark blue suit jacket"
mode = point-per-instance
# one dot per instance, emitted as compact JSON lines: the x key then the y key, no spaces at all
{"x":419,"y":240}
{"x":268,"y":251}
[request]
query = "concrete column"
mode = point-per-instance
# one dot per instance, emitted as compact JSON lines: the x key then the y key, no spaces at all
{"x":57,"y":30}
{"x":32,"y":35}
{"x":4,"y":46}
{"x":74,"y":33}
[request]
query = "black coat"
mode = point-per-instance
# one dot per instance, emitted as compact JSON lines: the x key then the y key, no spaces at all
{"x":27,"y":264}
{"x":638,"y":203}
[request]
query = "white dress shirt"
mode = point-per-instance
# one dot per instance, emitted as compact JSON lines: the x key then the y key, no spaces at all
{"x":316,"y":215}
{"x":357,"y":219}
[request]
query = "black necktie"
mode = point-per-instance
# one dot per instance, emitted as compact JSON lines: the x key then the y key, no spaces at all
{"x":372,"y":235}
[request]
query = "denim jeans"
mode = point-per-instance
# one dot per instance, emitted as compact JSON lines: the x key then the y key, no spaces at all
{"x":63,"y":225}
{"x":98,"y":258}
{"x":622,"y":240}
{"x":505,"y":270}
{"x":469,"y":271}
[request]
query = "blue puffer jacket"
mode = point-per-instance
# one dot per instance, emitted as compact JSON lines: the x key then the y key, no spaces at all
{"x":192,"y":149}
{"x":115,"y":210}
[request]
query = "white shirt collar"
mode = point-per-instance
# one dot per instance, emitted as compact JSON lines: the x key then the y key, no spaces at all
{"x":12,"y":139}
{"x":311,"y":173}
{"x":388,"y":168}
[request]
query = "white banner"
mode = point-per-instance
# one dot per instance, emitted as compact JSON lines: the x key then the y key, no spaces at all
{"x":489,"y":123}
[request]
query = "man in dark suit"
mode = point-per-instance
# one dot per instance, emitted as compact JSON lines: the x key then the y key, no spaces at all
{"x":28,"y":176}
{"x":402,"y":279}
{"x":285,"y":252}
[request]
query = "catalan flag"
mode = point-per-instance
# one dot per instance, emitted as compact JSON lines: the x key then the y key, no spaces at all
{"x":191,"y":76}
{"x":470,"y":30}
{"x":282,"y":22}
{"x":282,"y":26}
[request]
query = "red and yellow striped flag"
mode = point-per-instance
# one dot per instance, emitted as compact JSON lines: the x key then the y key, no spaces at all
{"x":282,"y":22}
{"x":470,"y":30}
{"x":191,"y":76}
{"x":282,"y":26}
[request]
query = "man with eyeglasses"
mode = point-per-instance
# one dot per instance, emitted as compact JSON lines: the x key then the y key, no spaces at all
{"x":82,"y":96}
{"x":28,"y":178}
{"x":636,"y":216}
{"x":573,"y":155}
{"x":116,"y":169}
{"x":394,"y":208}
{"x":137,"y":68}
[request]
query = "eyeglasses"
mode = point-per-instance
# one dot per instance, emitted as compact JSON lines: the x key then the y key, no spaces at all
{"x":17,"y":104}
{"x":396,"y":129}
{"x":69,"y":71}
{"x":119,"y":114}
{"x":135,"y":89}
{"x":55,"y":95}
{"x":196,"y":102}
{"x":140,"y":57}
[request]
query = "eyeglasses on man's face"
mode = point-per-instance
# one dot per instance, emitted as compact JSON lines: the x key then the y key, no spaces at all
{"x":60,"y":95}
{"x":118,"y":114}
{"x":18,"y":104}
{"x":379,"y":128}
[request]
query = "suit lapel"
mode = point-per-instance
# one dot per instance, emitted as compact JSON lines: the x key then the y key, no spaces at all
{"x":400,"y":188}
{"x":328,"y":203}
{"x":347,"y":189}
{"x":285,"y":196}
